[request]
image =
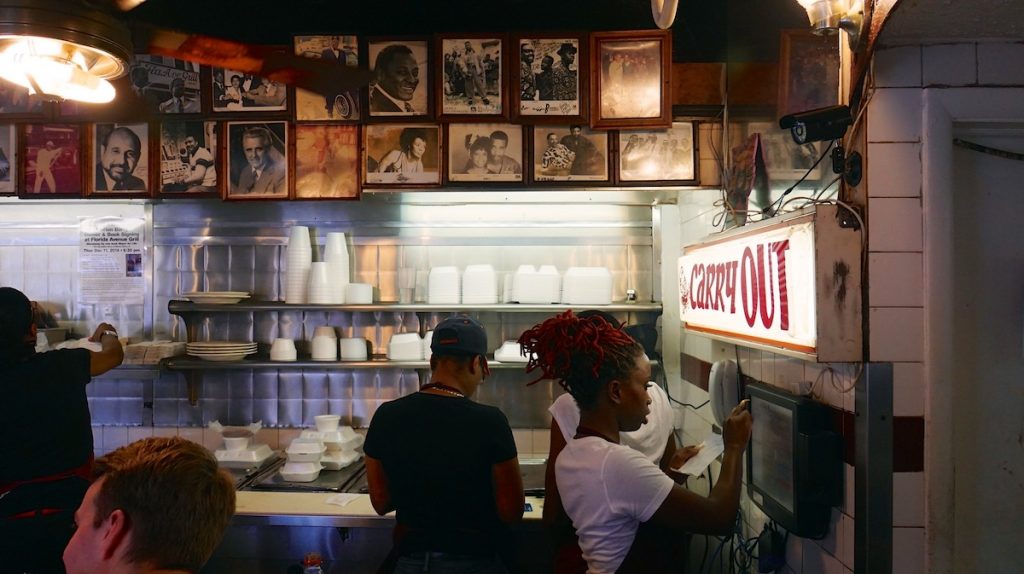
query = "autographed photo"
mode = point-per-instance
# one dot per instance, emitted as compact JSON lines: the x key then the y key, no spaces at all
{"x":569,"y":153}
{"x":401,"y":78}
{"x":188,"y":157}
{"x":166,"y":85}
{"x":340,"y":50}
{"x":121,"y":154}
{"x":399,"y":154}
{"x":472,"y":76}
{"x":549,"y":77}
{"x":240,"y":92}
{"x":52,"y":160}
{"x":485,"y":152}
{"x":657,"y":155}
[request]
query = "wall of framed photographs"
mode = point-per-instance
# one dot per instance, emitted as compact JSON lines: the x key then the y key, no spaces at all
{"x":452,"y":110}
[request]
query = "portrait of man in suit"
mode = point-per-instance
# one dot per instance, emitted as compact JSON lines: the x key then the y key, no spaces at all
{"x":259,"y":166}
{"x":119,"y":153}
{"x":396,"y":88}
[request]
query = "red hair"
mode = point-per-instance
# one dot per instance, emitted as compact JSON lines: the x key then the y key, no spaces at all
{"x":582,"y":353}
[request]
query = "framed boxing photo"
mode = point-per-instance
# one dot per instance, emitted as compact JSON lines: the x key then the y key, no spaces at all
{"x":473,"y":71}
{"x":485,"y":152}
{"x":120,"y":165}
{"x":548,"y":78}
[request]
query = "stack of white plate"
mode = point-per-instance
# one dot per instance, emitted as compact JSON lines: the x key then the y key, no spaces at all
{"x":479,"y":285}
{"x":216,"y":297}
{"x":220,"y":350}
{"x":300,"y":260}
{"x":443,"y":286}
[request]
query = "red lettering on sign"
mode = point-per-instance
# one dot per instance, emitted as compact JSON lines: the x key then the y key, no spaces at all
{"x":747,"y":267}
{"x":765,"y":293}
{"x":780,"y":248}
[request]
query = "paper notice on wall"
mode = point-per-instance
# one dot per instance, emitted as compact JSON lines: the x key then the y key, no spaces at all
{"x":110,"y":265}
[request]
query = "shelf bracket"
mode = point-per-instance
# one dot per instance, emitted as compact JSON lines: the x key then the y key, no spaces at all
{"x":192,"y":379}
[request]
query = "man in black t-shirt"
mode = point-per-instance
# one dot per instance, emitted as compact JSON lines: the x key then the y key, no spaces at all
{"x":446,"y":464}
{"x":45,"y":436}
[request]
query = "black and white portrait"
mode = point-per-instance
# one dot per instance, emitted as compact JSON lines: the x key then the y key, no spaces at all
{"x":549,"y":77}
{"x":8,"y":159}
{"x":258,"y":160}
{"x":240,"y":92}
{"x":785,"y":159}
{"x":657,"y":155}
{"x":569,"y":153}
{"x":400,"y":154}
{"x":188,"y":157}
{"x":485,"y":152}
{"x":53,"y":160}
{"x":121,"y":159}
{"x":338,"y":49}
{"x":401,"y":82}
{"x":166,"y":85}
{"x":631,"y":79}
{"x":471,"y":76}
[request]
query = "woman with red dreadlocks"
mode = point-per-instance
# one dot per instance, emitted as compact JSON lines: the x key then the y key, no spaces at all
{"x":608,"y":489}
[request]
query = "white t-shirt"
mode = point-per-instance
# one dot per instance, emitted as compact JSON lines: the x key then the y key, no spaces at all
{"x":607,"y":490}
{"x":650,"y":439}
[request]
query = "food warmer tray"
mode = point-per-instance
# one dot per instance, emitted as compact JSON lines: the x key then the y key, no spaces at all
{"x":327,"y":481}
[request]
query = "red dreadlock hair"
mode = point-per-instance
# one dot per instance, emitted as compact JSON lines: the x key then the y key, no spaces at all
{"x":582,"y":353}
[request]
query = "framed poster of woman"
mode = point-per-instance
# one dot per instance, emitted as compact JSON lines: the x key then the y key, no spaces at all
{"x":402,"y":155}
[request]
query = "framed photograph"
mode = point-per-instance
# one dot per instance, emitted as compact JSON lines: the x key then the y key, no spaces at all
{"x":552,"y":81}
{"x":659,"y":156}
{"x":632,"y":85}
{"x":344,"y":106}
{"x":8,"y":159}
{"x":784,"y":159}
{"x":326,"y":162}
{"x":188,"y":158}
{"x":569,"y":153}
{"x":16,"y":102}
{"x":165,"y":85}
{"x":401,"y":84}
{"x":402,"y":154}
{"x":472,"y":76}
{"x":52,"y":161}
{"x":257,"y":155}
{"x":121,"y":160}
{"x":234,"y":91}
{"x":808,"y":71}
{"x":485,"y":152}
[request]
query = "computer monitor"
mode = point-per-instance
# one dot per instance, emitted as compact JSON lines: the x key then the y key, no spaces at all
{"x":794,"y":471}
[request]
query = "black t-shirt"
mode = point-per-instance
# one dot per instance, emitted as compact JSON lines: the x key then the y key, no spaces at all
{"x":45,"y":427}
{"x":438,"y":453}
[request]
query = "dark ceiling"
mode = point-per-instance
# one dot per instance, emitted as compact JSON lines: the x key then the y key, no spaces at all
{"x":704,"y":31}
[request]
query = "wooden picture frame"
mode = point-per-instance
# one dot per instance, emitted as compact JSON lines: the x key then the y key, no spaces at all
{"x":632,"y":80}
{"x":491,"y":153}
{"x":62,"y":175}
{"x":251,"y":94}
{"x":257,"y":160}
{"x":467,"y":64}
{"x":392,"y":156}
{"x":808,"y":71}
{"x":549,"y":80}
{"x":327,"y":161}
{"x":342,"y":49}
{"x":401,"y":90}
{"x":658,"y":157}
{"x":9,"y":159}
{"x":155,"y":80}
{"x":190,"y":159}
{"x":786,"y":160}
{"x":120,"y":160}
{"x":563,"y":155}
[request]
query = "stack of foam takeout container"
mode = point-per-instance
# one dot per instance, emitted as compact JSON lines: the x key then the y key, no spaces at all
{"x":340,"y":442}
{"x":240,"y":451}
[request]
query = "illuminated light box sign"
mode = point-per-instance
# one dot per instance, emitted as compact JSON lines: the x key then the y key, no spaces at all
{"x":791,"y":284}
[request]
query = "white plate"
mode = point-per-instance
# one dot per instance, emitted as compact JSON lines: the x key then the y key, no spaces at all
{"x":224,"y":358}
{"x":220,"y":343}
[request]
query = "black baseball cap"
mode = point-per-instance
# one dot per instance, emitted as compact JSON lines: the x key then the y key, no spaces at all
{"x":459,"y":335}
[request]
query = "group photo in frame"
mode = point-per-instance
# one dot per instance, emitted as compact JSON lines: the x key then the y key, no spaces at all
{"x":485,"y":152}
{"x":632,"y":83}
{"x":257,"y":161}
{"x":51,"y":161}
{"x":326,"y":161}
{"x":658,"y":155}
{"x":472,"y":72}
{"x":784,"y":159}
{"x":342,"y":50}
{"x":165,"y":85}
{"x":233,"y":91}
{"x":551,"y":83}
{"x":808,"y":71}
{"x":401,"y":78}
{"x":120,"y":160}
{"x":8,"y":159}
{"x":402,"y":154}
{"x":188,"y":158}
{"x":570,"y":153}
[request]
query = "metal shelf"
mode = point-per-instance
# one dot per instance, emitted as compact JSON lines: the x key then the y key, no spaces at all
{"x":178,"y":307}
{"x":132,"y":372}
{"x":262,"y":362}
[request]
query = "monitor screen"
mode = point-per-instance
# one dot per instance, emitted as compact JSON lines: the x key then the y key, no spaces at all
{"x":771,"y":450}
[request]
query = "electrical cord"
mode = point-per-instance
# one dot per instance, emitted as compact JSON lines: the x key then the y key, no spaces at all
{"x":767,"y":211}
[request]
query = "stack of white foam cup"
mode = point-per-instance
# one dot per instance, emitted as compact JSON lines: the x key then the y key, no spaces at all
{"x":300,"y":261}
{"x":336,"y":258}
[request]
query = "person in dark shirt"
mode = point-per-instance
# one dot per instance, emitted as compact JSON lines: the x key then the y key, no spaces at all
{"x":446,"y":464}
{"x":45,"y":436}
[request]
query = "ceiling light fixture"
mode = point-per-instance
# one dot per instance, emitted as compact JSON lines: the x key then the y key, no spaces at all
{"x":62,"y":50}
{"x":829,"y":16}
{"x":664,"y":12}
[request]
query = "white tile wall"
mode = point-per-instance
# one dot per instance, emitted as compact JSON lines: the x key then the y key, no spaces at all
{"x":894,"y":224}
{"x":114,"y":437}
{"x":846,"y":557}
{"x":849,"y":490}
{"x":909,"y":390}
{"x":908,"y":499}
{"x":817,"y":561}
{"x":898,"y":67}
{"x":896,"y":279}
{"x":908,"y":551}
{"x":949,"y":65}
{"x":894,"y":170}
{"x":1001,"y":63}
{"x":897,"y":334}
{"x":894,"y":115}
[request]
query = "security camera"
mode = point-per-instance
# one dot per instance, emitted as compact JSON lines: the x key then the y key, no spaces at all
{"x":817,"y":125}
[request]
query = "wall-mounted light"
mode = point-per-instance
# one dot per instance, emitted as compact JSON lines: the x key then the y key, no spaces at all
{"x":664,"y":12}
{"x":830,"y":16}
{"x":62,"y":50}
